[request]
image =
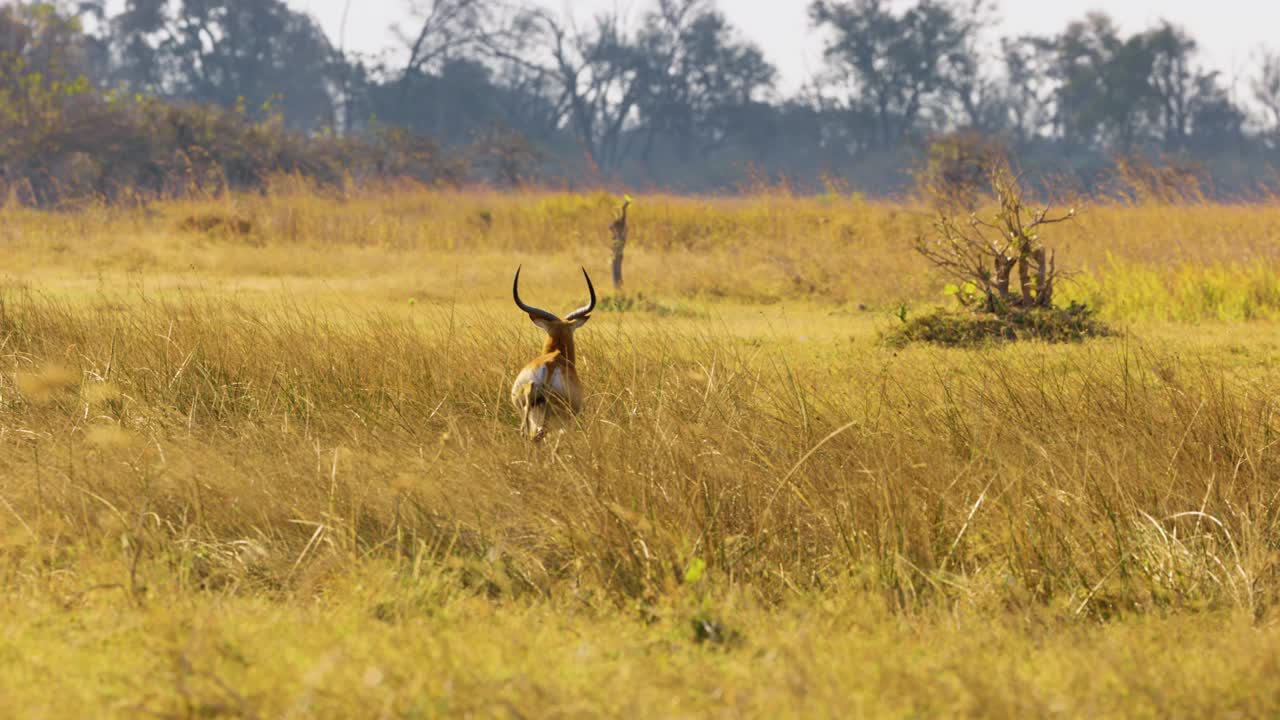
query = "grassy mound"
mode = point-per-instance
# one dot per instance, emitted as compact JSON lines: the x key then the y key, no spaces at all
{"x":965,"y":329}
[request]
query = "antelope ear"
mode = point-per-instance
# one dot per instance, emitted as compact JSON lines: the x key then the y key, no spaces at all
{"x":579,"y":322}
{"x":543,"y":323}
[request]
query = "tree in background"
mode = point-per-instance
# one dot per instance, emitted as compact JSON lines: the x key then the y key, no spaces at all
{"x":897,"y":72}
{"x":670,"y":94}
{"x":1030,"y":88}
{"x":45,"y":61}
{"x":254,"y":54}
{"x":1174,"y":82}
{"x":702,"y":78}
{"x":1103,"y":95}
{"x":1266,"y":92}
{"x":600,"y":76}
{"x":441,"y":61}
{"x":1119,"y":94}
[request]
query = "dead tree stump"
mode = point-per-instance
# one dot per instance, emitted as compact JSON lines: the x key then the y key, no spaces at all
{"x":618,"y":229}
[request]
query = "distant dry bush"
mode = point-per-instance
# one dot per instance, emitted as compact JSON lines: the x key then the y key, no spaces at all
{"x":1004,"y":275}
{"x":62,"y":139}
{"x":1139,"y":180}
{"x":116,"y":148}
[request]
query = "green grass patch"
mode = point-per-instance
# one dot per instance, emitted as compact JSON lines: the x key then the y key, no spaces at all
{"x":952,"y":328}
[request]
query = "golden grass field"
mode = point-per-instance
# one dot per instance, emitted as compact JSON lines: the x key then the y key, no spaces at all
{"x":272,"y":470}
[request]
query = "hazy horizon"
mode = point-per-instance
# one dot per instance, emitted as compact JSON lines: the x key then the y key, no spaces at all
{"x":1230,"y":32}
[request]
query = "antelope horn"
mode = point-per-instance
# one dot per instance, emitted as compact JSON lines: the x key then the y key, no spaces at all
{"x":533,"y":311}
{"x":585,"y":310}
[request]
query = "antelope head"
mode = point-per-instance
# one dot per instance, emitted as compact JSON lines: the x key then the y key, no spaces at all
{"x":549,"y":384}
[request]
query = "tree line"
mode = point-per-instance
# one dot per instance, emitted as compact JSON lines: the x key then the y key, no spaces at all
{"x":161,"y":93}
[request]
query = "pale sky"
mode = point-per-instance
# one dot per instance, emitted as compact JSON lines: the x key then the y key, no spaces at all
{"x":1230,"y":32}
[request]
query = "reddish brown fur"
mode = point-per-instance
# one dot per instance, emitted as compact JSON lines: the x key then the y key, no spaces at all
{"x":558,"y":354}
{"x":549,"y":384}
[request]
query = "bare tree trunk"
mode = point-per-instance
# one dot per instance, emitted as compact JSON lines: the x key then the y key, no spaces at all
{"x":1004,"y":268}
{"x":619,"y":231}
{"x":1024,"y":279}
{"x":1048,"y":273}
{"x":1042,"y":277}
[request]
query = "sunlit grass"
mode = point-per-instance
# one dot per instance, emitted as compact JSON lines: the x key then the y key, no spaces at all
{"x":1196,"y":262}
{"x":256,"y":476}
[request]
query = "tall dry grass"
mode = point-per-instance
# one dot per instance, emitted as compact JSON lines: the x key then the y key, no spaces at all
{"x":290,"y":411}
{"x":258,"y":448}
{"x":1153,"y":261}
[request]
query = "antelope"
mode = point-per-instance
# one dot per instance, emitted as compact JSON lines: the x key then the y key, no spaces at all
{"x":549,"y":384}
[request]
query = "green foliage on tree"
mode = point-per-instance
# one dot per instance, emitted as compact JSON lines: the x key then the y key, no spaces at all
{"x":667,"y":94}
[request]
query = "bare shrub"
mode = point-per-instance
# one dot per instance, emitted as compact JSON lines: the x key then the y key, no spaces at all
{"x":1170,"y":182}
{"x":985,"y":258}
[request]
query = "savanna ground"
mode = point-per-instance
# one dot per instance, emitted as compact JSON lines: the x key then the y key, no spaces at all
{"x":257,"y":460}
